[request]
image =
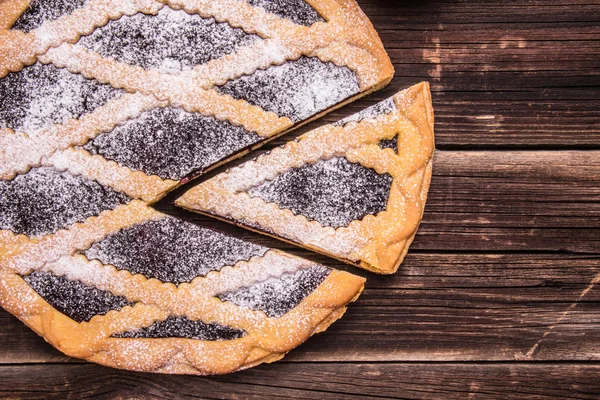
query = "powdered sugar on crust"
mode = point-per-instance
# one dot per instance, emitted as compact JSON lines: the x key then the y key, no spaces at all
{"x":171,"y":41}
{"x":41,"y":95}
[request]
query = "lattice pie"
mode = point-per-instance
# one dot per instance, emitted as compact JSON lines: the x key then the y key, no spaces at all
{"x":106,"y":105}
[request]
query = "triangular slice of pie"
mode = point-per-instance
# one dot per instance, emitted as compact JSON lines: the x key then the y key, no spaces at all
{"x":354,"y":190}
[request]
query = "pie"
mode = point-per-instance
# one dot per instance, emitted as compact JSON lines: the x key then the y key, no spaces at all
{"x":103,"y":110}
{"x":354,"y":190}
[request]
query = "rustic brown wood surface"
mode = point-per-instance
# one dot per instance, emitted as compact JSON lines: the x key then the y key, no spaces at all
{"x":499,"y":296}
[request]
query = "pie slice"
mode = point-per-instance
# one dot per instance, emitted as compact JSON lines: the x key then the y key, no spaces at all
{"x":111,"y":87}
{"x":132,"y":288}
{"x":354,"y":190}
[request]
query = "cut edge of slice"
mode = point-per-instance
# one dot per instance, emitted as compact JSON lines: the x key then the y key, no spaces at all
{"x":376,"y":253}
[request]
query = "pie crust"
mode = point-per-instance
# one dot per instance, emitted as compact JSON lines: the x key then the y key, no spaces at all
{"x":376,"y":242}
{"x":344,"y":39}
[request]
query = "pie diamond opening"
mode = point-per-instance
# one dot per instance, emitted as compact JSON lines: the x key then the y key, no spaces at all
{"x":296,"y":89}
{"x":183,"y":327}
{"x":172,"y":250}
{"x":332,"y":192}
{"x":390,"y":144}
{"x":172,"y":143}
{"x":277,"y":296}
{"x":41,"y":95}
{"x":383,"y":107}
{"x":297,"y":11}
{"x":170,"y":41}
{"x":76,"y":300}
{"x":45,"y":200}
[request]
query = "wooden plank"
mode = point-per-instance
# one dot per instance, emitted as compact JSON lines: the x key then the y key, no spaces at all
{"x":517,"y":201}
{"x":311,"y":381}
{"x":510,"y":75}
{"x":438,"y":307}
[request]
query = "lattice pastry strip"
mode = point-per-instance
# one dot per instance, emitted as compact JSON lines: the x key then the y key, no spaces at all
{"x":338,"y":54}
{"x":21,"y":151}
{"x":135,"y":184}
{"x":354,"y":190}
{"x":242,"y":307}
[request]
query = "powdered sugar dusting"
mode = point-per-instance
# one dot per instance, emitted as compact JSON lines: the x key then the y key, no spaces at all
{"x":171,"y":143}
{"x":383,"y":107}
{"x":182,"y":327}
{"x":277,"y":296}
{"x":40,"y":11}
{"x":297,"y":11}
{"x":332,"y":192}
{"x":170,"y":41}
{"x":172,"y":250}
{"x":45,"y":200}
{"x":74,"y":299}
{"x":41,"y":95}
{"x":296,"y":89}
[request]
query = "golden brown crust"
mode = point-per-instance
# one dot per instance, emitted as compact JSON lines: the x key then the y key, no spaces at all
{"x":135,"y":184}
{"x":266,"y":339}
{"x":10,"y":11}
{"x":377,"y":243}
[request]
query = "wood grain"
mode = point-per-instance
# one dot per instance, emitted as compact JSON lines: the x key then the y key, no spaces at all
{"x":499,"y":296}
{"x":311,"y":381}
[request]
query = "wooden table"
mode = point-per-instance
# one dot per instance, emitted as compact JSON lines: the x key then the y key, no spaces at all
{"x":500,"y":293}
